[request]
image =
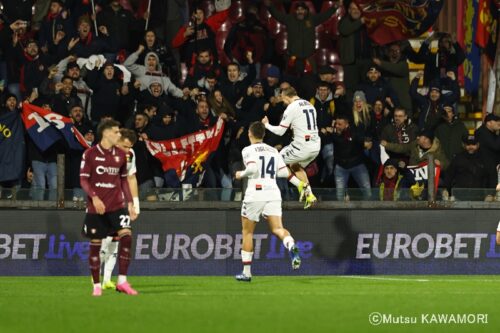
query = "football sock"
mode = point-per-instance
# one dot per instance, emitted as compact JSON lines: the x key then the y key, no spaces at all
{"x":288,"y":242}
{"x":124,"y":255}
{"x":110,"y":261}
{"x":294,"y":180}
{"x":94,"y":262}
{"x":103,"y":254}
{"x":246,"y":259}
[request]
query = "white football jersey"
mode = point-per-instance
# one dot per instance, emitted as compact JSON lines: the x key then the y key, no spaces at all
{"x":131,"y":168}
{"x":262,"y":186}
{"x":300,"y":116}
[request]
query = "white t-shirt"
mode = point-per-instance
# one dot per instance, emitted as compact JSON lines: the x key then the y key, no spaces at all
{"x":131,"y":168}
{"x":301,"y":117}
{"x":262,"y":185}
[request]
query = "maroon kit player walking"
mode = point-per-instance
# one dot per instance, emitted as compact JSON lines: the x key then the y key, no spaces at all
{"x":103,"y":176}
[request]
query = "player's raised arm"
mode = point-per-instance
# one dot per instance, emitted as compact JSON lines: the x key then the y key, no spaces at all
{"x":281,"y":128}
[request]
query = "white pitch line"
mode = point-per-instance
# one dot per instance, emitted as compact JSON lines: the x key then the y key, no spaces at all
{"x":381,"y":278}
{"x":418,"y":280}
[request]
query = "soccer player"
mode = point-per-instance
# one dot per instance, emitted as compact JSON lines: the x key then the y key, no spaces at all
{"x":103,"y":176}
{"x":300,"y":116}
{"x":262,"y":197}
{"x":109,"y":246}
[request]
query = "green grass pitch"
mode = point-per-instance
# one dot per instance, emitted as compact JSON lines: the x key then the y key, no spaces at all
{"x":267,"y":304}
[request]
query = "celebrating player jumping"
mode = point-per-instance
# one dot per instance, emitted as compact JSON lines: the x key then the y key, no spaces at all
{"x":300,"y":116}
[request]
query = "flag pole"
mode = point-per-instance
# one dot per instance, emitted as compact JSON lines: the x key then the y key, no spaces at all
{"x":149,"y":13}
{"x":95,"y":18}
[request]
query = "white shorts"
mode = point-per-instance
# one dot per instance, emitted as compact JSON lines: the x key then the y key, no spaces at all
{"x":255,"y":209}
{"x":303,"y":155}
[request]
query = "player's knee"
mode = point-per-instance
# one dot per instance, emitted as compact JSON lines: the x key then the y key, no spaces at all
{"x":295,"y":167}
{"x":124,"y":232}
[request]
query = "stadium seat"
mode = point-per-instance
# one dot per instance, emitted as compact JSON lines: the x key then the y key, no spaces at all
{"x":340,"y":72}
{"x":273,"y":26}
{"x":322,"y":41}
{"x":226,"y":26}
{"x":237,"y":11}
{"x":220,"y":39}
{"x":330,"y":26}
{"x":208,"y":7}
{"x":326,"y":56}
{"x":309,"y":4}
{"x":281,"y":43}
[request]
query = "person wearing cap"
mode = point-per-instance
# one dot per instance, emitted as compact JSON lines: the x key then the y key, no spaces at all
{"x":252,"y":106}
{"x":469,"y":170}
{"x":374,"y":86}
{"x":325,"y":74}
{"x":354,"y":47}
{"x":361,"y":114}
{"x":430,"y":106}
{"x":301,"y":33}
{"x":419,"y":149}
{"x":450,"y":132}
{"x":396,"y":182}
{"x":272,"y":82}
{"x":488,"y":135}
{"x":396,"y":70}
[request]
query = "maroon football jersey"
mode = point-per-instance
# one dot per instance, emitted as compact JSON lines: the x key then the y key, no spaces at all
{"x":104,"y":169}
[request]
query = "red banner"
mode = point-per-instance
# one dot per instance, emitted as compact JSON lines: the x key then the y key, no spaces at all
{"x":388,"y":21}
{"x":189,"y":151}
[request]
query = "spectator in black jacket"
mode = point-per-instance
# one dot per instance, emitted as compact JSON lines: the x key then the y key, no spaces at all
{"x":235,"y":85}
{"x":108,"y":92}
{"x":488,"y":135}
{"x":469,"y":170}
{"x":65,"y":97}
{"x":118,"y":22}
{"x":448,"y":57}
{"x":376,"y":87}
{"x":349,"y":145}
{"x":55,"y":27}
{"x":430,"y":106}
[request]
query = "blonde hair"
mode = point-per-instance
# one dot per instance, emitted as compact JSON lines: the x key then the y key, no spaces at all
{"x":362,"y":117}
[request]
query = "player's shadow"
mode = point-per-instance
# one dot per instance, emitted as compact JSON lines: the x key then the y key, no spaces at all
{"x":341,"y":255}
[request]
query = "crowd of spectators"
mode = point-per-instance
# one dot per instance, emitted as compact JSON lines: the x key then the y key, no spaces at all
{"x":173,"y":70}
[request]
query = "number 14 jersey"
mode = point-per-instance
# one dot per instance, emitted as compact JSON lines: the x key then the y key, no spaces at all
{"x":262,"y":185}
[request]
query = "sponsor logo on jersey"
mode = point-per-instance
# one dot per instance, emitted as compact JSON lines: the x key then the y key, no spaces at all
{"x":109,"y":170}
{"x":100,"y":159}
{"x":105,"y":185}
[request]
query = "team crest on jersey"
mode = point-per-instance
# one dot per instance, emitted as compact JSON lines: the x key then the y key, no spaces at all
{"x":117,"y":159}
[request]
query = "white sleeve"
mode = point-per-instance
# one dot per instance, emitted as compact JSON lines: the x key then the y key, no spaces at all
{"x":250,"y":170}
{"x":284,"y":124}
{"x":282,"y":168}
{"x":131,"y":167}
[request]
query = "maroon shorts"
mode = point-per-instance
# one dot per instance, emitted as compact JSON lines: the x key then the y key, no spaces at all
{"x":98,"y":226}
